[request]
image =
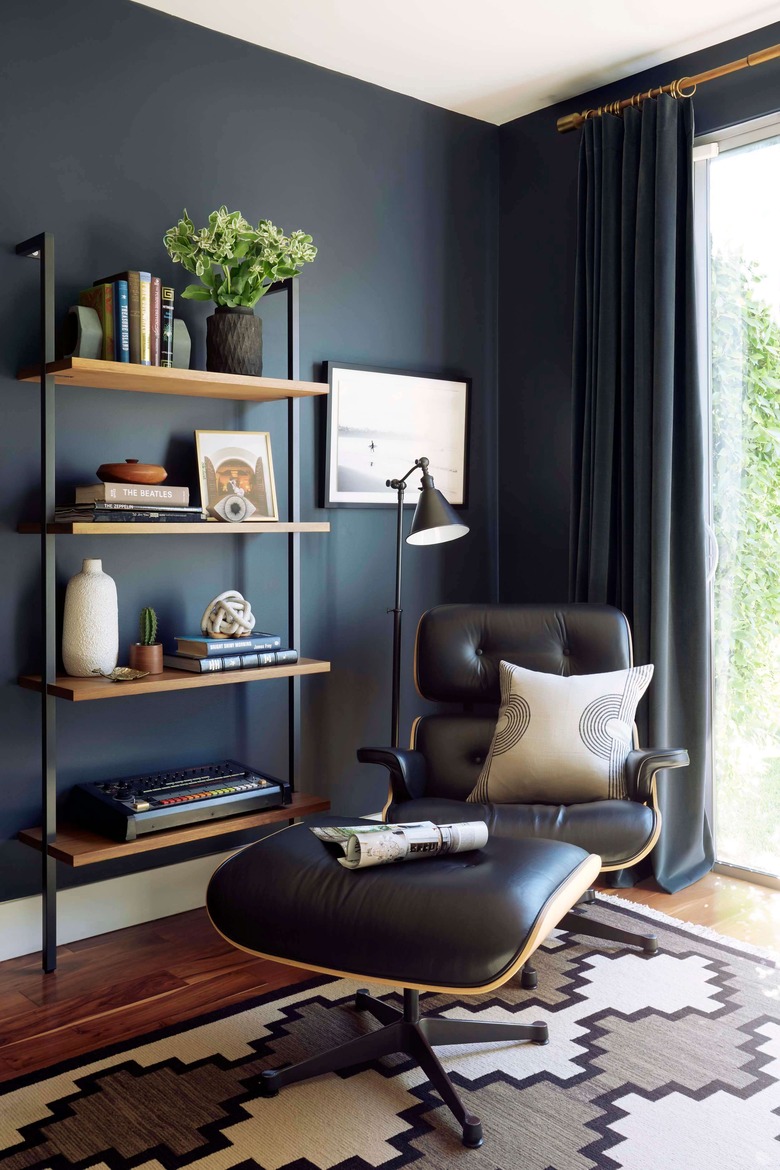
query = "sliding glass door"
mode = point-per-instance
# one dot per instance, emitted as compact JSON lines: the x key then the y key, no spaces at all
{"x":741,"y":263}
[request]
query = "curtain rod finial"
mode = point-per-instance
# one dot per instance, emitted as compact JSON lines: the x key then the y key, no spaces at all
{"x":570,"y":122}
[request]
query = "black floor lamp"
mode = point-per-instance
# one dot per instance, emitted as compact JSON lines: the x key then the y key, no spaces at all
{"x":434,"y":522}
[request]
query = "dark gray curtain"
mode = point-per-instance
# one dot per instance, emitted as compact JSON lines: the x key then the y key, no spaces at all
{"x":638,"y":507}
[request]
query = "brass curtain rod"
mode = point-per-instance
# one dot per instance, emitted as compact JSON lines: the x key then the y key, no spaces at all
{"x":675,"y":88}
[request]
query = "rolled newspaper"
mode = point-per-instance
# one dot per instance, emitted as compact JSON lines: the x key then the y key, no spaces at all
{"x":365,"y":845}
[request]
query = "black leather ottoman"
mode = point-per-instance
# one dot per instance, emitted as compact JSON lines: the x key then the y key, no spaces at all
{"x":464,"y":923}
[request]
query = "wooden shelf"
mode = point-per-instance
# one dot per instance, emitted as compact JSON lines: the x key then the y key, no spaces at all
{"x":76,"y":846}
{"x":209,"y":527}
{"x":78,"y":690}
{"x":75,"y":371}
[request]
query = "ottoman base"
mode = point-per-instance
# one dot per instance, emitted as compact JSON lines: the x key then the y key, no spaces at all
{"x":415,"y":1035}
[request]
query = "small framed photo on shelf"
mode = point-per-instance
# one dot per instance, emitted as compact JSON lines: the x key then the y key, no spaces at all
{"x":236,"y":464}
{"x":380,"y":421}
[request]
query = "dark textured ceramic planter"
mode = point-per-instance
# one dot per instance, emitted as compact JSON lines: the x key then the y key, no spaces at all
{"x":234,"y":342}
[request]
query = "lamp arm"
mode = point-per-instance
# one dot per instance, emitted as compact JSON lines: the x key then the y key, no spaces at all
{"x":399,"y":485}
{"x":421,"y":463}
{"x":395,"y":712}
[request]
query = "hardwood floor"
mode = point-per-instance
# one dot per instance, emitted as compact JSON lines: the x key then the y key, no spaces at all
{"x":120,"y":985}
{"x":738,"y":909}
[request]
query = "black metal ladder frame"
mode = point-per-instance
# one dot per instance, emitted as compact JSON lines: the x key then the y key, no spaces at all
{"x":41,"y":248}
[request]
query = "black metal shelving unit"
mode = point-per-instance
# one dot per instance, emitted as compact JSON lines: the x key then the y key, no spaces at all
{"x":41,"y":248}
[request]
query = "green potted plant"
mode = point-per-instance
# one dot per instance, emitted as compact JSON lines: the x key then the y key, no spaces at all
{"x":147,"y":654}
{"x":236,"y":264}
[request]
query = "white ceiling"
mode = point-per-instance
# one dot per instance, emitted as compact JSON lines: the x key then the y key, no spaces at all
{"x":492,"y":59}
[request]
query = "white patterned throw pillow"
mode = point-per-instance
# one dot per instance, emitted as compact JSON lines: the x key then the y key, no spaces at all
{"x":561,"y":740}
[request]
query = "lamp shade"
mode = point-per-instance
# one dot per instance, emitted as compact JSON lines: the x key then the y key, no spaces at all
{"x":434,"y":520}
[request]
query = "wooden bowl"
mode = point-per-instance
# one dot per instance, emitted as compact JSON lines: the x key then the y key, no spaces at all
{"x":131,"y":471}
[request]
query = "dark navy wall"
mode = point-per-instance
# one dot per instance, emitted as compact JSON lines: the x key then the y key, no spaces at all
{"x":113,"y":121}
{"x":536,"y":292}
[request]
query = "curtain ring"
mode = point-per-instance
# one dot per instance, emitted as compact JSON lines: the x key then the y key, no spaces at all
{"x":680,"y":87}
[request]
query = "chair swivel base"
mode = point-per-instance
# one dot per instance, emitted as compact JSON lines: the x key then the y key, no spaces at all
{"x":414,"y":1035}
{"x":578,"y":922}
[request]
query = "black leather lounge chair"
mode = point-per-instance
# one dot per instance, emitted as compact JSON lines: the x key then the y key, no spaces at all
{"x":457,"y":656}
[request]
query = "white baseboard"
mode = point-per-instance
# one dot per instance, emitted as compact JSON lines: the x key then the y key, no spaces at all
{"x":108,"y":905}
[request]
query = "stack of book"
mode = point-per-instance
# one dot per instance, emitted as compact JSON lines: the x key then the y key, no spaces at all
{"x":128,"y":503}
{"x":201,"y":654}
{"x":136,"y":313}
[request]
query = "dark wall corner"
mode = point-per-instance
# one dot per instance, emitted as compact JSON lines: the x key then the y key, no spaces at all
{"x":113,"y":122}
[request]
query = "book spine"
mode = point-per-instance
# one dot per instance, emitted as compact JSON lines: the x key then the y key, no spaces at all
{"x":121,"y":322}
{"x":145,"y":297}
{"x":248,"y":661}
{"x":229,"y":661}
{"x":134,"y":494}
{"x":155,"y":315}
{"x":286,"y":657}
{"x":198,"y":665}
{"x":134,"y":315}
{"x":232,"y":645}
{"x":166,"y":327}
{"x":141,"y":516}
{"x":139,"y":506}
{"x":109,"y":351}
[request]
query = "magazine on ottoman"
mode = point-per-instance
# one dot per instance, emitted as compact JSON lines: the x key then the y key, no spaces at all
{"x":364,"y":845}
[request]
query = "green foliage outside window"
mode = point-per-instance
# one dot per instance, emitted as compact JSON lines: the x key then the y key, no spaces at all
{"x":745,"y":346}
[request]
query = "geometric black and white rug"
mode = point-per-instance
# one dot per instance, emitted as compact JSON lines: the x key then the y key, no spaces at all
{"x":670,"y":1062}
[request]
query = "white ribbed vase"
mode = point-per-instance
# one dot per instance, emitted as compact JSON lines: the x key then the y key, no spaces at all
{"x":90,"y":626}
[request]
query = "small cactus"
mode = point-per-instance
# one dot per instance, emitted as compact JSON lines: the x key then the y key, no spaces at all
{"x":148,"y":627}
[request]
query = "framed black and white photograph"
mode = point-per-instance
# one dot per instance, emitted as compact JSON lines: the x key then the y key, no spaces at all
{"x":380,"y":421}
{"x":236,"y":465}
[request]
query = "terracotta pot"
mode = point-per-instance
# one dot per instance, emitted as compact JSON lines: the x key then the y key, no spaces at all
{"x":234,"y":342}
{"x":147,"y":657}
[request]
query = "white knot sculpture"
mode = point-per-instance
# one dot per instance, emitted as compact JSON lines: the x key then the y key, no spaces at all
{"x":228,"y":616}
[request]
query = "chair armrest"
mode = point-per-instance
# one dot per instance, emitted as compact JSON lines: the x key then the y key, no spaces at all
{"x":408,"y":770}
{"x":641,"y":767}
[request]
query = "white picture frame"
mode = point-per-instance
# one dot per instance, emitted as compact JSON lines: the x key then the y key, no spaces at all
{"x":380,"y":421}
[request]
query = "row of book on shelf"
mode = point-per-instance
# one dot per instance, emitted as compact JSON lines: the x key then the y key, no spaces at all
{"x":202,"y":655}
{"x":136,"y":314}
{"x":128,"y":503}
